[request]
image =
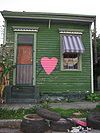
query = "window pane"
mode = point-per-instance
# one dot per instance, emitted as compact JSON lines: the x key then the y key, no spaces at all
{"x":24,"y":54}
{"x":25,"y":39}
{"x":71,"y":61}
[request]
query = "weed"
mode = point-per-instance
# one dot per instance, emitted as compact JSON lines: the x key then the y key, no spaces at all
{"x":93,"y":97}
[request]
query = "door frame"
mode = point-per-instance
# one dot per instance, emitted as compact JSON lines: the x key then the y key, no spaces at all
{"x":33,"y":56}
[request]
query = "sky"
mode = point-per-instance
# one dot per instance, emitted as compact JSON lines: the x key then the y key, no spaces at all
{"x":86,"y":7}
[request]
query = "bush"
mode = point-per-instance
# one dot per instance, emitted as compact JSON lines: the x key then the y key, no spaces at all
{"x":98,"y":107}
{"x":93,"y":97}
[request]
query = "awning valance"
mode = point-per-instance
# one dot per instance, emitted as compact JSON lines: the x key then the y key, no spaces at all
{"x":73,"y":44}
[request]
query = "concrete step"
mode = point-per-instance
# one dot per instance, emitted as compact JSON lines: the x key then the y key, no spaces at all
{"x":22,"y":95}
{"x":18,"y":101}
{"x":24,"y":89}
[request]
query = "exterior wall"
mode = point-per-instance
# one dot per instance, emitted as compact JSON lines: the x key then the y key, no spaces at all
{"x":48,"y":44}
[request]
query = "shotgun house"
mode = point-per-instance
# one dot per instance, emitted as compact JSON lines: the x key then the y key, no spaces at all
{"x":52,"y":53}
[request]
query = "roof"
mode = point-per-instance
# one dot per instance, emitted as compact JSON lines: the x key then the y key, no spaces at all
{"x":48,"y":16}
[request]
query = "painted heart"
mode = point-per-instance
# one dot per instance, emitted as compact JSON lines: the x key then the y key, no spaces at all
{"x":49,"y":64}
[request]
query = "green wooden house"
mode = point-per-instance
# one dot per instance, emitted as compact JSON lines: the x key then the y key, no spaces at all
{"x":52,"y":52}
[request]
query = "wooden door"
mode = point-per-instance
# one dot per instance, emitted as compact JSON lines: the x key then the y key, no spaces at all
{"x":24,"y":65}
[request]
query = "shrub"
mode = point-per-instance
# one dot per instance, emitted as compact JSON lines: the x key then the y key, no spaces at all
{"x":98,"y":107}
{"x":93,"y":97}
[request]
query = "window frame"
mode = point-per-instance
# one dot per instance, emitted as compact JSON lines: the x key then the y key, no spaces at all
{"x":61,"y":56}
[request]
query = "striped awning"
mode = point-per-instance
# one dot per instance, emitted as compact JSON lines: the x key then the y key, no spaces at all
{"x":73,"y":44}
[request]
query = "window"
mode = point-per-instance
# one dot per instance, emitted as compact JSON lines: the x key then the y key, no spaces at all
{"x":71,"y":61}
{"x":71,"y":51}
{"x":25,"y":39}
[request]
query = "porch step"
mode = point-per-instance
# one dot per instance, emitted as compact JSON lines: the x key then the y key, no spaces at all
{"x":20,"y":94}
{"x":19,"y":101}
{"x":23,"y":92}
{"x":24,"y":89}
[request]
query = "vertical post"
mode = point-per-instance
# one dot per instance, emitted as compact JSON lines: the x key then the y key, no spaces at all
{"x":94,"y":43}
{"x":95,"y":60}
{"x":49,"y":24}
{"x":91,"y":49}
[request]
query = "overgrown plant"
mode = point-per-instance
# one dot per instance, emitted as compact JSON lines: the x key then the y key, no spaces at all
{"x":6,"y":66}
{"x":93,"y":97}
{"x":98,"y":107}
{"x":4,"y":71}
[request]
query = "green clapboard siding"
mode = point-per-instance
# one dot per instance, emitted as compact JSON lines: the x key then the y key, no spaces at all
{"x":48,"y":44}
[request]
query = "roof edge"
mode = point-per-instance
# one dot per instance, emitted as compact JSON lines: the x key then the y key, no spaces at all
{"x":47,"y":15}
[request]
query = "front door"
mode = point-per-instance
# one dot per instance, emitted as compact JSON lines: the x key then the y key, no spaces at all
{"x":24,"y":70}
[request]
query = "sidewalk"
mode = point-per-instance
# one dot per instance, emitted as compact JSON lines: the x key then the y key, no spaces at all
{"x":76,"y":105}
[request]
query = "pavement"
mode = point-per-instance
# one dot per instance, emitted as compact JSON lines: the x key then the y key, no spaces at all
{"x":76,"y":105}
{"x":64,"y":105}
{"x":8,"y":130}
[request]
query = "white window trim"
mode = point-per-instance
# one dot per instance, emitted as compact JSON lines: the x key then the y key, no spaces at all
{"x":71,"y":31}
{"x":80,"y":65}
{"x":25,"y":29}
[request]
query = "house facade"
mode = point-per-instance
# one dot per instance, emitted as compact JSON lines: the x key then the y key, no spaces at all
{"x":52,"y":53}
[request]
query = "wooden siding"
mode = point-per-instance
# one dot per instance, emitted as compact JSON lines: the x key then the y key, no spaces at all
{"x":48,"y":44}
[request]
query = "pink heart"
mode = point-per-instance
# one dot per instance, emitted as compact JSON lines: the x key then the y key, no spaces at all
{"x":49,"y":64}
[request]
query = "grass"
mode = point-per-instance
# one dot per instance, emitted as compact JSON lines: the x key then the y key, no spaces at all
{"x":18,"y":114}
{"x":78,"y":113}
{"x":15,"y":114}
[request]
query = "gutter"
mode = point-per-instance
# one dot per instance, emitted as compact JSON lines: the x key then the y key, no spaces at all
{"x":53,"y":18}
{"x":48,"y":16}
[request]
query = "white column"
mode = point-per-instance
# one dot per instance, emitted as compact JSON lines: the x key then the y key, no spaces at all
{"x":91,"y":50}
